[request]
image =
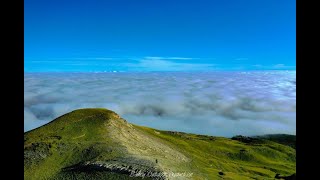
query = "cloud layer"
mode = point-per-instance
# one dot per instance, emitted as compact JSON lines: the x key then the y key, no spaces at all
{"x":214,"y":103}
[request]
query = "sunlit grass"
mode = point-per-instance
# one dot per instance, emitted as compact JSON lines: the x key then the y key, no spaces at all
{"x":92,"y":135}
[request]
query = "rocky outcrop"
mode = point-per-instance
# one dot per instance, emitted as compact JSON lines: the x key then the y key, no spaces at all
{"x":130,"y":167}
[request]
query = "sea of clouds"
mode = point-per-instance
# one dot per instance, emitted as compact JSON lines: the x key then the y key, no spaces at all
{"x":214,"y":103}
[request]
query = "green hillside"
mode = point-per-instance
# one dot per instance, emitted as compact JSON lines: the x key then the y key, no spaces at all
{"x":98,"y":144}
{"x":289,"y":140}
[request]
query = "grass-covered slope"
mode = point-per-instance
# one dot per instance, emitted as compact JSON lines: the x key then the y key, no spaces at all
{"x":286,"y":139}
{"x":98,"y":144}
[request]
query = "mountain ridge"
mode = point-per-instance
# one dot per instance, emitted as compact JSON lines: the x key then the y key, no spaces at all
{"x":97,"y":143}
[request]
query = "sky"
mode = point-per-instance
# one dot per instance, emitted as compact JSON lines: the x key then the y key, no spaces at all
{"x":162,"y":35}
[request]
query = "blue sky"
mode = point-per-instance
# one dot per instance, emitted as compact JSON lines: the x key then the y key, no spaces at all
{"x":159,"y":35}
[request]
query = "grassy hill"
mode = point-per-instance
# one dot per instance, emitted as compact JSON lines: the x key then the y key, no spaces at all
{"x":286,"y":139}
{"x":98,"y":144}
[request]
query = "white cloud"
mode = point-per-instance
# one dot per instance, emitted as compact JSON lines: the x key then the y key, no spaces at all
{"x":159,"y":64}
{"x":280,"y":66}
{"x":215,"y":103}
{"x":274,"y":67}
{"x":168,"y":58}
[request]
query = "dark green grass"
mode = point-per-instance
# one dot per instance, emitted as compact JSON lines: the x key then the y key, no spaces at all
{"x":285,"y":139}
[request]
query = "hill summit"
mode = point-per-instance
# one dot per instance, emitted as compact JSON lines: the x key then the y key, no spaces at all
{"x":99,"y":144}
